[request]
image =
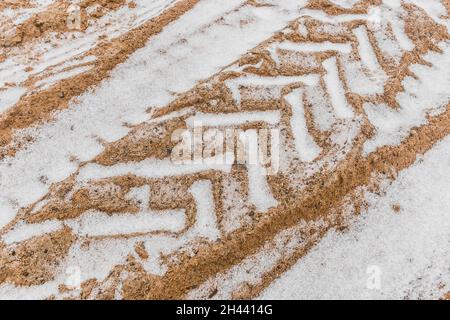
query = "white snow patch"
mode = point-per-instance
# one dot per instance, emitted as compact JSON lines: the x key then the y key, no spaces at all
{"x":152,"y":168}
{"x":233,"y":119}
{"x":421,"y":97}
{"x":315,"y":46}
{"x":25,"y":231}
{"x":205,"y":226}
{"x":387,"y":42}
{"x":278,"y":82}
{"x":47,"y":82}
{"x":95,"y":224}
{"x":336,"y":90}
{"x":10,"y":97}
{"x":409,"y":250}
{"x":348,"y":4}
{"x":393,"y":12}
{"x":259,"y":190}
{"x":102,"y":112}
{"x":359,"y":79}
{"x":206,"y":219}
{"x":366,"y":52}
{"x":323,"y":17}
{"x":305,"y":145}
{"x":435,"y":9}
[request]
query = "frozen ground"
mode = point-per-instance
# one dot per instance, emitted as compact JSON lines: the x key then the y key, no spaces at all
{"x":384,"y":254}
{"x":116,"y":171}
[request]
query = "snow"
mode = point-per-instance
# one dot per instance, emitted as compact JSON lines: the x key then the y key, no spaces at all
{"x":232,"y":119}
{"x":335,"y":89}
{"x":152,"y":168}
{"x":21,"y":14}
{"x":259,"y":191}
{"x":141,"y":195}
{"x":345,"y":3}
{"x":321,"y":107}
{"x":388,"y":44}
{"x":302,"y":29}
{"x":408,"y":250}
{"x":47,"y":82}
{"x":234,"y":206}
{"x":384,"y":254}
{"x":96,"y":224}
{"x":422,"y":96}
{"x":10,"y":96}
{"x":306,"y":147}
{"x":435,"y":9}
{"x":23,"y":231}
{"x":392,"y":12}
{"x":97,"y":259}
{"x":359,"y":79}
{"x":206,"y":216}
{"x":279,"y":82}
{"x":366,"y":51}
{"x":101,"y":113}
{"x":315,"y":46}
{"x":43,"y":54}
{"x":323,"y":17}
{"x":254,"y":266}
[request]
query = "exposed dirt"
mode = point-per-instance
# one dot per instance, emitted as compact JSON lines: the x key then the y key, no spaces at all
{"x":341,"y":171}
{"x":35,"y":261}
{"x":40,"y":106}
{"x":15,"y":4}
{"x":54,"y":19}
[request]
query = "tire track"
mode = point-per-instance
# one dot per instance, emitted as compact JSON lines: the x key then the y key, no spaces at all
{"x":301,"y":81}
{"x":39,"y":107}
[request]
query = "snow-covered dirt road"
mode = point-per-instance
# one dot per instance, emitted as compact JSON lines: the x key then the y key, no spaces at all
{"x":207,"y":149}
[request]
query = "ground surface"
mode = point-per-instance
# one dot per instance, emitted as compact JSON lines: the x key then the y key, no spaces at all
{"x":113,"y":185}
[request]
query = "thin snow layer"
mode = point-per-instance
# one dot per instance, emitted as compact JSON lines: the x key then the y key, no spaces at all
{"x":205,"y":227}
{"x":152,"y":168}
{"x":366,"y":52}
{"x":251,"y":269}
{"x":101,"y":224}
{"x":100,"y":114}
{"x":389,"y":13}
{"x":435,"y":9}
{"x":25,"y":231}
{"x":233,"y":119}
{"x":277,"y":82}
{"x":323,"y":17}
{"x":392,"y":13}
{"x":426,"y":95}
{"x":98,"y":224}
{"x":321,"y":107}
{"x":315,"y":46}
{"x":47,"y":82}
{"x":337,"y":92}
{"x":206,"y":217}
{"x":385,"y":255}
{"x":360,"y":79}
{"x":387,"y":42}
{"x":235,"y":207}
{"x":96,"y":260}
{"x":19,"y":15}
{"x":365,"y":77}
{"x":43,"y":55}
{"x":259,"y":191}
{"x":10,"y":96}
{"x":345,"y":3}
{"x":305,"y":145}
